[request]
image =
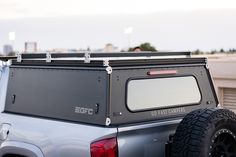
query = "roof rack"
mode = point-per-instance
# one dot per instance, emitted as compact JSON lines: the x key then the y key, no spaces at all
{"x":88,"y":56}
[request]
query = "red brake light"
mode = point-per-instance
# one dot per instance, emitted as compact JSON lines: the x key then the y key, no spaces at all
{"x":162,"y":72}
{"x":104,"y":148}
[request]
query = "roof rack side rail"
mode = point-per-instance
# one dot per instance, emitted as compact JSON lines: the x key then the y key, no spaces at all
{"x":104,"y":54}
{"x":140,"y":54}
{"x":88,"y":55}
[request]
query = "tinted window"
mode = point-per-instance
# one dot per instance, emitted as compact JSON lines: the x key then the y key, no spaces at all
{"x":162,"y":92}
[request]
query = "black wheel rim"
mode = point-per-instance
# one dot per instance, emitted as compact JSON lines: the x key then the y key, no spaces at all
{"x":223,"y":144}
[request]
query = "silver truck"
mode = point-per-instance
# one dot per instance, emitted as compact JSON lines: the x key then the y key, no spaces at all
{"x":159,"y":104}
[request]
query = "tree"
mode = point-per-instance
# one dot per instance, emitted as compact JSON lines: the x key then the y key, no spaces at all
{"x":143,"y":47}
{"x":222,"y":50}
{"x":197,"y":52}
{"x":147,"y":47}
{"x":213,"y":52}
{"x":131,"y":49}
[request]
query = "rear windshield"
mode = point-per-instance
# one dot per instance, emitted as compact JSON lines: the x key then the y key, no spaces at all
{"x":144,"y":94}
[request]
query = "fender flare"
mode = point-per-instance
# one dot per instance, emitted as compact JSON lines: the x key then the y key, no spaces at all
{"x":20,"y":148}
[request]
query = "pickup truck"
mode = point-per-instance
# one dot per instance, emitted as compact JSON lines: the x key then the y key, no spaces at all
{"x":159,"y":104}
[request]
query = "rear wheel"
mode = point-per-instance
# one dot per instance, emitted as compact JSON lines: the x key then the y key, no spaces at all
{"x":223,"y":144}
{"x":206,"y":133}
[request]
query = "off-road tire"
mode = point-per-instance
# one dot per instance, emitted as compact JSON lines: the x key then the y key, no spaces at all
{"x":206,"y":133}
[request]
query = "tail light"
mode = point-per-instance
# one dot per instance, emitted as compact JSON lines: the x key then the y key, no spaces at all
{"x":104,"y":148}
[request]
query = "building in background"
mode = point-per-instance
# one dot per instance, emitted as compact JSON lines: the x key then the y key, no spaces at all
{"x":111,"y":48}
{"x":7,"y":49}
{"x":108,"y":48}
{"x":30,"y":47}
{"x":223,"y":72}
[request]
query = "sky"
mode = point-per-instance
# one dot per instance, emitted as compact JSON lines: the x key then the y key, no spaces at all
{"x":56,"y":8}
{"x":167,"y":24}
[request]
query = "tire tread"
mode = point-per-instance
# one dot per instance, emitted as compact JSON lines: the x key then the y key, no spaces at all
{"x":192,"y":130}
